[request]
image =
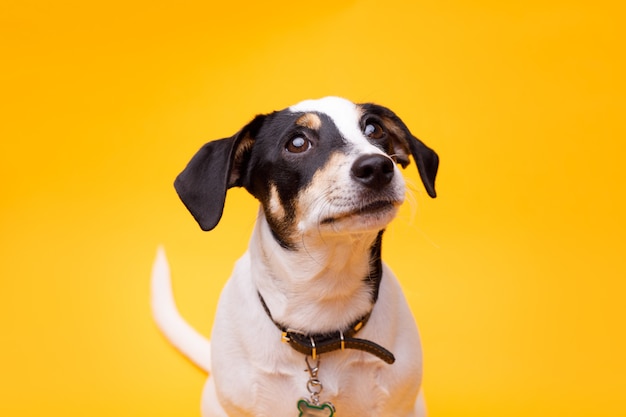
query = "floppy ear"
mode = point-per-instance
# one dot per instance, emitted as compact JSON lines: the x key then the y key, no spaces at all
{"x":404,"y":143}
{"x":427,"y":163}
{"x":215,"y":168}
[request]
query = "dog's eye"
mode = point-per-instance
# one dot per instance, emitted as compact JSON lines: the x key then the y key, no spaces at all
{"x":298,"y":145}
{"x":373,"y":130}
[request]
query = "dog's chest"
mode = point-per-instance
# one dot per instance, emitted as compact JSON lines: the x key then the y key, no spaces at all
{"x":355,"y":387}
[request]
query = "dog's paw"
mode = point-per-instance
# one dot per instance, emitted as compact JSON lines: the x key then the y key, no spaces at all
{"x":310,"y":410}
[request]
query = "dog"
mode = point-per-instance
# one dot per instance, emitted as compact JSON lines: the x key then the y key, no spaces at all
{"x":311,"y":321}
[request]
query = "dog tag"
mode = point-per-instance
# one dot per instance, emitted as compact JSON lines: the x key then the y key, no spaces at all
{"x":311,"y":410}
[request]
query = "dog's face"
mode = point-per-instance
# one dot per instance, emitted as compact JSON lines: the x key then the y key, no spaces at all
{"x":323,"y":166}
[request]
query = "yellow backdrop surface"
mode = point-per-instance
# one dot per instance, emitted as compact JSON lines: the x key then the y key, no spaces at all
{"x":515,"y":273}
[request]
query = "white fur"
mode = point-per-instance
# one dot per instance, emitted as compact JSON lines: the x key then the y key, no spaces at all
{"x":318,"y":289}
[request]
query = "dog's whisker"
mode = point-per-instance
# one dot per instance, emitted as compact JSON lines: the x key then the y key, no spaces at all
{"x":411,"y":199}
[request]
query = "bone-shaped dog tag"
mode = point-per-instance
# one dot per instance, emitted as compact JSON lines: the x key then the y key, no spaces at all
{"x":310,"y":410}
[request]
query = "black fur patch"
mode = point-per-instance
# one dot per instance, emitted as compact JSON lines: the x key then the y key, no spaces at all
{"x":290,"y":173}
{"x":376,"y":266}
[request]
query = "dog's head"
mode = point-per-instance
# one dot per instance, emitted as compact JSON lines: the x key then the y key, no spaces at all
{"x":320,"y":166}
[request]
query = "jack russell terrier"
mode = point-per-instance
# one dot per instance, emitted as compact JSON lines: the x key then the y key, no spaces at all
{"x":311,"y":320}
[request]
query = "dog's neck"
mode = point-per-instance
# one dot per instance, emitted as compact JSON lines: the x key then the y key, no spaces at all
{"x":320,"y":286}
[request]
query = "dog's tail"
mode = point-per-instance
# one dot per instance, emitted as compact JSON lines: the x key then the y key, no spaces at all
{"x":186,"y":339}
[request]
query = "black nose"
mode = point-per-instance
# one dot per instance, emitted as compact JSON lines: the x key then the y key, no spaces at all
{"x":374,"y":171}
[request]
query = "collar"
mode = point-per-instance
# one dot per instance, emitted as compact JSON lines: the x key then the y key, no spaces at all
{"x":316,"y":344}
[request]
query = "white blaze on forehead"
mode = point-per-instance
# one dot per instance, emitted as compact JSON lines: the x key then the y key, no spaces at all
{"x":344,"y":114}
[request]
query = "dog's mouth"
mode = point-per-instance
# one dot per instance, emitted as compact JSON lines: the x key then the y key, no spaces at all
{"x":374,"y":209}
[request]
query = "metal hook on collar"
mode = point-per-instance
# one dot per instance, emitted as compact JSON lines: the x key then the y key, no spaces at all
{"x":313,"y":370}
{"x":313,"y":385}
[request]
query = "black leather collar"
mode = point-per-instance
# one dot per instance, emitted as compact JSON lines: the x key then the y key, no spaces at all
{"x":316,"y":344}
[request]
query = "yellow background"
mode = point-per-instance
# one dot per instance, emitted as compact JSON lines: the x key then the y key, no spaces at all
{"x":515,"y":273}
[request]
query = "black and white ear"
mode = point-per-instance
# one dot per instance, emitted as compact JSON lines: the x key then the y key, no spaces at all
{"x":404,"y":144}
{"x":216,"y":167}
